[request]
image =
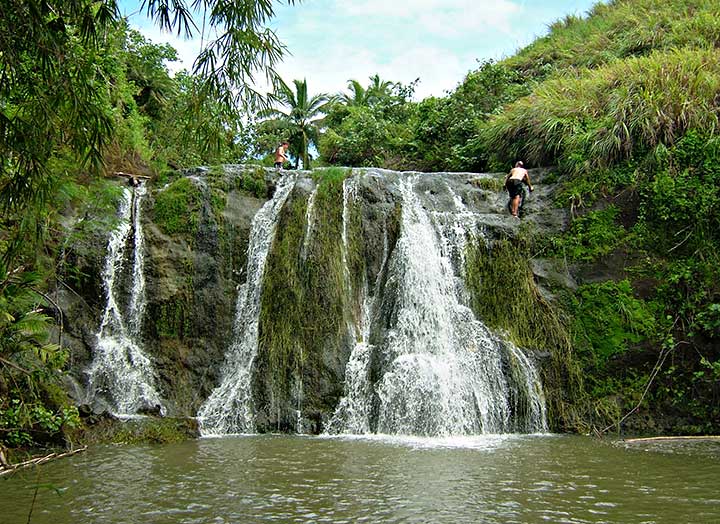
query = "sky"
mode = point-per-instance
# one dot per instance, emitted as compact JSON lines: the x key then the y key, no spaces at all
{"x":437,"y":41}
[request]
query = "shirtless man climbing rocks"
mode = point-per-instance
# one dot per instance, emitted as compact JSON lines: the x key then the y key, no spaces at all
{"x":517,"y":176}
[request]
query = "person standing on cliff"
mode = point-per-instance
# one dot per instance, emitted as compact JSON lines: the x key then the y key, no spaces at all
{"x":514,"y":180}
{"x":281,"y":154}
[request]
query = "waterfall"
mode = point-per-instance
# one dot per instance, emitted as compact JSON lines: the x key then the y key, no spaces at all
{"x":528,"y":392}
{"x":309,"y":222}
{"x":349,"y":193}
{"x":137,"y":294}
{"x":229,"y":408}
{"x":120,"y":373}
{"x":442,"y":371}
{"x":354,"y":410}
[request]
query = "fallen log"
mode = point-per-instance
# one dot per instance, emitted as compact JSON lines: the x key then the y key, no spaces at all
{"x":132,"y":175}
{"x":710,"y":438}
{"x":11,"y":468}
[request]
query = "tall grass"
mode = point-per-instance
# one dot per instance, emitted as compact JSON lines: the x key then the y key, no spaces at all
{"x":596,"y":118}
{"x":618,"y":30}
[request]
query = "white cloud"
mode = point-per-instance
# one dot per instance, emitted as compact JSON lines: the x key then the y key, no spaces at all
{"x":389,"y":8}
{"x":436,"y":16}
{"x":437,"y":41}
{"x":437,"y":70}
{"x":474,"y":17}
{"x":330,"y":70}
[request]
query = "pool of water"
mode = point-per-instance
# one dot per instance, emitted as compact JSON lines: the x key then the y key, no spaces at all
{"x":246,"y":479}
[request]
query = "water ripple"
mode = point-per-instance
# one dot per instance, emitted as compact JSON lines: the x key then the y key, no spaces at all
{"x":378,"y":479}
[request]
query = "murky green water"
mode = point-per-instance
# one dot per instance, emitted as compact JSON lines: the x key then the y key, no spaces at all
{"x":293,"y":479}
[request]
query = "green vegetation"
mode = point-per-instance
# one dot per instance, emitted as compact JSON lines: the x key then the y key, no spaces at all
{"x":619,"y":29}
{"x":304,"y":301}
{"x":253,"y":183}
{"x":144,"y":431}
{"x":494,"y":185}
{"x":611,"y":114}
{"x":590,"y":236}
{"x":176,"y":208}
{"x":593,"y":92}
{"x":368,"y":127}
{"x":173,"y":321}
{"x":33,"y":407}
{"x":297,"y":117}
{"x":504,"y":294}
{"x":609,"y":320}
{"x":625,"y":104}
{"x":84,"y":96}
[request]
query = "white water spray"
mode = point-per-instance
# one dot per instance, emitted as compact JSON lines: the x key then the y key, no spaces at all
{"x":121,"y":374}
{"x":309,"y":223}
{"x":354,"y":410}
{"x":229,"y":408}
{"x":442,"y":369}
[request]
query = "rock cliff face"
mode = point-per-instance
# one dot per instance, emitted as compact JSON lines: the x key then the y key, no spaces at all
{"x":360,"y":299}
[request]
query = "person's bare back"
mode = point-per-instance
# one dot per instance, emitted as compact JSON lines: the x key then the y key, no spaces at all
{"x":517,"y":173}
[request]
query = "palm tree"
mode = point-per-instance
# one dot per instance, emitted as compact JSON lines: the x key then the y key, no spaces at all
{"x":358,"y":95}
{"x":378,"y":90}
{"x":375,"y":92}
{"x":301,"y":113}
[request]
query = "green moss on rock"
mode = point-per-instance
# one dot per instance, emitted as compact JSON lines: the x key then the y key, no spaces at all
{"x":304,"y":306}
{"x":173,"y":321}
{"x":149,"y":430}
{"x":504,"y":295}
{"x":176,"y":207}
{"x":253,"y":183}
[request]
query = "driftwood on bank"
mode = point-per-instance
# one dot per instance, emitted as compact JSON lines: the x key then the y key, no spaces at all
{"x":131,"y":175}
{"x":11,"y":468}
{"x":710,"y":438}
{"x":133,"y":179}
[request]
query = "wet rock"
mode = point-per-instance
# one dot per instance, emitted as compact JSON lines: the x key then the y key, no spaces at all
{"x":152,"y":411}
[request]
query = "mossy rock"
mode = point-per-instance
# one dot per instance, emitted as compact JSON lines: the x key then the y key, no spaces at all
{"x":146,"y":430}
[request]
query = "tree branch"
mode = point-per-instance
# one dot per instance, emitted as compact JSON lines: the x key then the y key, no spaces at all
{"x":13,"y":365}
{"x":7,"y":470}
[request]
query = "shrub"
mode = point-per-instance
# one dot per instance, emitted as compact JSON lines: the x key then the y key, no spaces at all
{"x":590,"y":236}
{"x":609,"y":319}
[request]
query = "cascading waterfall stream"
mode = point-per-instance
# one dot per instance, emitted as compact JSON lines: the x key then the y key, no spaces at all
{"x":353,"y":412}
{"x":309,"y":222}
{"x":453,"y":229}
{"x":349,"y":194}
{"x":121,"y":374}
{"x":529,"y":391}
{"x":442,"y":369}
{"x":229,"y":408}
{"x":136,"y":310}
{"x":415,"y":359}
{"x":443,"y":376}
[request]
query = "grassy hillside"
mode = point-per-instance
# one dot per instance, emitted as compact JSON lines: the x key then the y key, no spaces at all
{"x":599,"y":117}
{"x":618,"y":30}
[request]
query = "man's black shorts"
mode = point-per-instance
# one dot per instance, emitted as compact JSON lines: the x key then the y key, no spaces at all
{"x":514,"y":187}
